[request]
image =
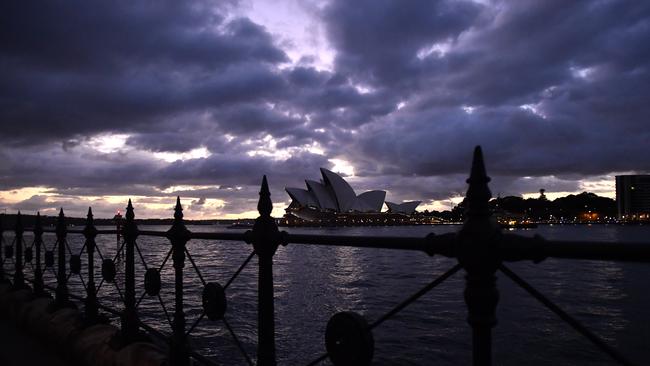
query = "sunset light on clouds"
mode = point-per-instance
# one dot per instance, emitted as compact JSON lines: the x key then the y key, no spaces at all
{"x":102,"y":102}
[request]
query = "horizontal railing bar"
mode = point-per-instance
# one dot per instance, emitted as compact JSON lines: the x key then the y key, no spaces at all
{"x":516,"y":247}
{"x":219,"y":236}
{"x":162,"y":234}
{"x":73,"y":231}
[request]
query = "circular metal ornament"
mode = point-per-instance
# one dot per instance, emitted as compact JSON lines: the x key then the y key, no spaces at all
{"x":29,"y":255}
{"x":108,"y":270}
{"x":152,"y":282}
{"x":9,"y":251}
{"x":348,"y":340}
{"x":214,"y":301}
{"x":49,"y":258}
{"x":75,"y":264}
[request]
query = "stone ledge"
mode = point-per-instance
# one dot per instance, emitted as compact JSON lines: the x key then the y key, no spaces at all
{"x":64,"y":330}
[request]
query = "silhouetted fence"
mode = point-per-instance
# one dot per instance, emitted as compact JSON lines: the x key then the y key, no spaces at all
{"x":480,"y":248}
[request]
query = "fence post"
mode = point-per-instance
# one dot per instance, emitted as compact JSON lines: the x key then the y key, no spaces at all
{"x":478,"y":253}
{"x":38,"y":241}
{"x":129,"y":316}
{"x":61,"y":294}
{"x":265,"y":238}
{"x":2,"y":248}
{"x":90,"y":233}
{"x":178,"y":236}
{"x":19,"y":276}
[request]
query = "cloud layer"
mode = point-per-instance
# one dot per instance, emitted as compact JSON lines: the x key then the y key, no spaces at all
{"x":156,"y":99}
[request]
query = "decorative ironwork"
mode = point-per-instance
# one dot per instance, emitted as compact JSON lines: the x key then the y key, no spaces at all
{"x":214,"y":301}
{"x":2,"y":243}
{"x":178,"y":236}
{"x":108,"y":270}
{"x":265,"y":238}
{"x":61,"y":298}
{"x":38,"y":242}
{"x":129,"y":318}
{"x":49,"y":258}
{"x":90,"y":233}
{"x":479,"y":255}
{"x":349,"y":340}
{"x":19,"y":277}
{"x":480,"y":248}
{"x":152,"y":282}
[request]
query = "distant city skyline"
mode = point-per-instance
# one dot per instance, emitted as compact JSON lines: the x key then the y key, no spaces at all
{"x":102,"y":102}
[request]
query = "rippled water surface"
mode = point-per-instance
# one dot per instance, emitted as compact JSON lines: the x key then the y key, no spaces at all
{"x":312,"y":283}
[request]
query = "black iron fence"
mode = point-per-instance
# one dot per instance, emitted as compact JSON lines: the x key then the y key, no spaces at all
{"x":480,"y":248}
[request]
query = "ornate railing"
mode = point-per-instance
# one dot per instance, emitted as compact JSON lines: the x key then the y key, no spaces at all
{"x":480,"y":248}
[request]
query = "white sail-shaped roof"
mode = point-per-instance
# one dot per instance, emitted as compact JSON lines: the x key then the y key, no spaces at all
{"x":322,"y":194}
{"x":404,"y":207}
{"x":303,"y":197}
{"x":371,"y":200}
{"x":344,"y":194}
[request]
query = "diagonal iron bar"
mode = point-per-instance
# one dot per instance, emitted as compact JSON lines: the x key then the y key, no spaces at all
{"x":196,"y":322}
{"x":99,"y":252}
{"x":165,"y":260}
{"x":575,"y":324}
{"x":119,"y":291}
{"x":237,"y":342}
{"x":416,"y":295}
{"x":119,"y":251}
{"x":144,"y":263}
{"x":162,"y":304}
{"x":140,"y":299}
{"x":99,"y":286}
{"x":318,"y":360}
{"x":189,"y":256}
{"x":241,"y":268}
{"x":83,"y":282}
{"x":67,"y":246}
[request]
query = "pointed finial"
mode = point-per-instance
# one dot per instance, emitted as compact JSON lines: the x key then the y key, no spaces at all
{"x":264,"y":205}
{"x":130,"y":215}
{"x":478,"y":174}
{"x":19,"y":223}
{"x":478,"y":192}
{"x":61,"y":229}
{"x":89,"y":216}
{"x":178,"y":210}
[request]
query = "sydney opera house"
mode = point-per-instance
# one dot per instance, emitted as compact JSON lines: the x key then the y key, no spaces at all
{"x":333,"y":201}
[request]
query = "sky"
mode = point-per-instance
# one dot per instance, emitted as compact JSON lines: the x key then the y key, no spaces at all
{"x":105,"y":101}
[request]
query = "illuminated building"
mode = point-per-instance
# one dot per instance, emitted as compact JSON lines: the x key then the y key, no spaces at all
{"x":633,"y":197}
{"x":334,"y":199}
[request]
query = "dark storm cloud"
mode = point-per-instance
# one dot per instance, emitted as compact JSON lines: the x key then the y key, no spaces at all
{"x":581,"y":66}
{"x":377,"y":41}
{"x":78,"y":68}
{"x":551,"y":89}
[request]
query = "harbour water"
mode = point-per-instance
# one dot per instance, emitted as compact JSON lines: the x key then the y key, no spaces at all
{"x":312,"y":283}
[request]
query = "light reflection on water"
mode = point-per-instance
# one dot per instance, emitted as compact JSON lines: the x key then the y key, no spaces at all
{"x":312,"y":283}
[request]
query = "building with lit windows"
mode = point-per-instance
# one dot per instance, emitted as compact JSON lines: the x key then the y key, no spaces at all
{"x":633,"y":197}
